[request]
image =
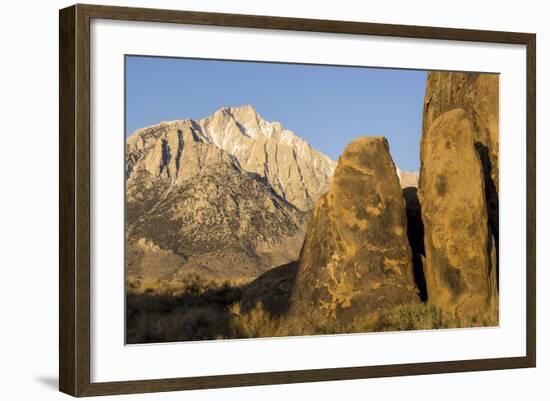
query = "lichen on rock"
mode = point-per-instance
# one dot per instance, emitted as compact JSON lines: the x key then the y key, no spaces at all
{"x":356,"y":260}
{"x":457,"y":265}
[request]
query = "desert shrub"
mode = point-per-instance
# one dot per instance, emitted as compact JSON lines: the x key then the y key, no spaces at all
{"x":192,"y":308}
{"x":485,"y":318}
{"x":254,"y":323}
{"x":428,"y":317}
{"x":191,"y":283}
{"x":257,"y":322}
{"x":183,"y":309}
{"x":413,"y":317}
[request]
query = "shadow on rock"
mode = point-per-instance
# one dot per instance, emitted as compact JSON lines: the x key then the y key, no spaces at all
{"x":272,"y":289}
{"x":415,"y":233}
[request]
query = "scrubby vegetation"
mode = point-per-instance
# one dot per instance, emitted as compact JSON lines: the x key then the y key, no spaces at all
{"x":258,"y":323}
{"x":186,"y":308}
{"x":191,"y":308}
{"x":428,"y":317}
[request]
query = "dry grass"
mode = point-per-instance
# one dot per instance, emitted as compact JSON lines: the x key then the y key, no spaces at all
{"x":258,"y":323}
{"x":428,"y":317}
{"x":182,"y":309}
{"x":414,"y":317}
{"x":179,"y":285}
{"x":191,"y":308}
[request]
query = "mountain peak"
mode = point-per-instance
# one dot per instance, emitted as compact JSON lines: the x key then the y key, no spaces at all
{"x":240,"y":114}
{"x":407,"y":178}
{"x":246,"y":121}
{"x":245,"y":108}
{"x":277,"y":157}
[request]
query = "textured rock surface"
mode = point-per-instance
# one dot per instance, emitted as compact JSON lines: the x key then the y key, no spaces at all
{"x":477,"y":95}
{"x":228,"y":196}
{"x":452,"y":194}
{"x":356,"y":260}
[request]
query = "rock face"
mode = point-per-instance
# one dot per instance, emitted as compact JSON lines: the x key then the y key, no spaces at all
{"x":356,"y":259}
{"x":478,"y":96}
{"x":457,"y":240}
{"x":229,"y":195}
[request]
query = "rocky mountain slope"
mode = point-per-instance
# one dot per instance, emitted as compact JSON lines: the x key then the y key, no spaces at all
{"x":226,"y":196}
{"x":275,"y":156}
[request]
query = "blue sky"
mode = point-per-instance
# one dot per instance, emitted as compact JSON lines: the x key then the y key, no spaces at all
{"x":327,"y":106}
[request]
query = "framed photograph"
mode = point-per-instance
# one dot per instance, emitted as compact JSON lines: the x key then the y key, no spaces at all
{"x":250,"y":200}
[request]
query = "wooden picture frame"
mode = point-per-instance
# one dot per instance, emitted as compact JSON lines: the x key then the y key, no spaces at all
{"x":74,"y":199}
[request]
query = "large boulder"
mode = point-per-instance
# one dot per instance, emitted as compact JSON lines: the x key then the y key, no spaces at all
{"x":272,"y":290}
{"x":356,"y":260}
{"x":454,"y":212}
{"x":478,"y":95}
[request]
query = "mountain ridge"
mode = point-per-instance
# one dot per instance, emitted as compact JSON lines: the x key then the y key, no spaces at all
{"x":228,"y":195}
{"x":252,"y":141}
